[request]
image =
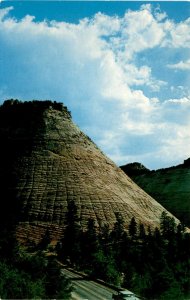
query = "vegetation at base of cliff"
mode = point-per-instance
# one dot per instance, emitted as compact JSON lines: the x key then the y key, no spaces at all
{"x":155,"y":265}
{"x":25,"y":275}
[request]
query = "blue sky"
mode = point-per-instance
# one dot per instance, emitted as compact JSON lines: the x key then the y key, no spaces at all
{"x":73,"y":11}
{"x":122,"y":68}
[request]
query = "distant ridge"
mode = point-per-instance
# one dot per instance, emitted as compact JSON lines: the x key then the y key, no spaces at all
{"x":46,"y":161}
{"x":169,"y":186}
{"x":134,"y":169}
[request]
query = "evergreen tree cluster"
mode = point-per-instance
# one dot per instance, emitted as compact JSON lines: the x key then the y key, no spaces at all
{"x":155,"y":265}
{"x":25,"y":275}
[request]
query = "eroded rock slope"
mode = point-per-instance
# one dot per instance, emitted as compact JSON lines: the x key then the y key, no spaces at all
{"x":47,"y":161}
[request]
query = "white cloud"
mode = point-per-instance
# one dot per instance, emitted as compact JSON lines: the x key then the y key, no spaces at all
{"x":181,"y":34}
{"x":183,"y":101}
{"x":178,"y":35}
{"x":93,"y":66}
{"x":182,"y":65}
{"x":4,"y":11}
{"x":142,"y":76}
{"x":160,"y":16}
{"x":139,"y":26}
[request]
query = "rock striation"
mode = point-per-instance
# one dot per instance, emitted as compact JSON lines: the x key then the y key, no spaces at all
{"x":47,"y":161}
{"x":169,"y":186}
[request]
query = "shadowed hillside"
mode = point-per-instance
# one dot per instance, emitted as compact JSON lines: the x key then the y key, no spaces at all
{"x":169,"y":186}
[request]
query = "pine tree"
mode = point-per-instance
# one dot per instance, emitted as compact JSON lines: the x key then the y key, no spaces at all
{"x":167,"y":226}
{"x":118,"y":229}
{"x":104,"y":238}
{"x":142,"y":232}
{"x":133,"y":228}
{"x":45,"y":241}
{"x":57,"y":286}
{"x":117,"y":237}
{"x":90,"y":245}
{"x":71,"y":241}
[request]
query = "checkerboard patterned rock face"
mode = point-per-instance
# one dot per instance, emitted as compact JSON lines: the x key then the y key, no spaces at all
{"x":47,"y":161}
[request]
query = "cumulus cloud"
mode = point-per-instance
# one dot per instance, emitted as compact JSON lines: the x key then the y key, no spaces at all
{"x":183,"y":101}
{"x":4,"y":11}
{"x":178,"y":35}
{"x":95,"y":68}
{"x":182,"y":65}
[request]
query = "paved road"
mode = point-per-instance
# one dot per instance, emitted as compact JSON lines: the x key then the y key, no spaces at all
{"x":85,"y":289}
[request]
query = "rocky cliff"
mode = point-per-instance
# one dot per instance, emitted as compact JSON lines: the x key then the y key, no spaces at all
{"x":170,"y":186}
{"x":47,"y":161}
